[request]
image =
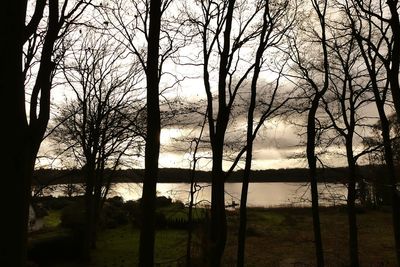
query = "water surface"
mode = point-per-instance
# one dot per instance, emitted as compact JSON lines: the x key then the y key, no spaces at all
{"x":260,"y":194}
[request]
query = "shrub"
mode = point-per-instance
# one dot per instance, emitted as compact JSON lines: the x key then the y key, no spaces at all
{"x":54,"y":203}
{"x":116,"y":201}
{"x":163,"y":201}
{"x":114,"y":214}
{"x":73,"y":216}
{"x":133,"y":210}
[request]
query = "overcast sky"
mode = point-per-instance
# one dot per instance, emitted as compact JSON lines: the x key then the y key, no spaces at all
{"x":278,"y":144}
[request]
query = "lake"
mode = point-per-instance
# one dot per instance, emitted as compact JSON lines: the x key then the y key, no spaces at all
{"x":260,"y":194}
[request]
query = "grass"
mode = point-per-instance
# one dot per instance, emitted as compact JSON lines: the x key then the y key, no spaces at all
{"x":177,"y":212}
{"x":119,"y":247}
{"x":275,"y":237}
{"x":53,"y":219}
{"x":284,"y":237}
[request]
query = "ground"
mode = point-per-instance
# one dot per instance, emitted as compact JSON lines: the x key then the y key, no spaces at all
{"x":275,"y":237}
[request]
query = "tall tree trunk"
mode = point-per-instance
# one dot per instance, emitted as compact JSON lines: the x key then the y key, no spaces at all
{"x":312,"y":164}
{"x":16,"y":161}
{"x":246,"y":177}
{"x":380,"y":105}
{"x":218,"y":224}
{"x":389,"y":159}
{"x":393,"y":76}
{"x":393,"y":73}
{"x":148,"y":204}
{"x":388,"y":154}
{"x":190,"y":220}
{"x":192,"y":195}
{"x":351,"y":199}
{"x":311,"y":135}
{"x":89,"y":210}
{"x":249,"y":145}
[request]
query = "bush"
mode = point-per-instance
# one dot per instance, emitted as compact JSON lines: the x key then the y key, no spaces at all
{"x":133,"y":211}
{"x":116,"y":201}
{"x":73,"y":216}
{"x":54,"y":203}
{"x":114,"y":214}
{"x":163,"y":201}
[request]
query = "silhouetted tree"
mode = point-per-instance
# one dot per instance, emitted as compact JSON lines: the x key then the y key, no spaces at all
{"x":102,"y":124}
{"x":313,"y":72}
{"x":148,"y":203}
{"x":193,"y":190}
{"x":380,"y":60}
{"x":383,"y":16}
{"x":277,"y":18}
{"x":145,"y":29}
{"x":25,"y":42}
{"x":343,"y":101}
{"x":224,"y":29}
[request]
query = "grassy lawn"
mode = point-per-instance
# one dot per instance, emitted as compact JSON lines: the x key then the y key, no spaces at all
{"x":120,"y":246}
{"x":53,"y":219}
{"x":284,"y":237}
{"x":275,"y":237}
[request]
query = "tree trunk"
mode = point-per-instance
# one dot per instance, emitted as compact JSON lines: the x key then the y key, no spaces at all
{"x":148,"y":205}
{"x":218,"y":224}
{"x":243,"y":218}
{"x":16,"y":161}
{"x":393,"y":76}
{"x":393,"y":73}
{"x":388,"y":154}
{"x":312,"y":163}
{"x":190,"y":224}
{"x":249,"y":145}
{"x":89,"y":210}
{"x":351,"y":199}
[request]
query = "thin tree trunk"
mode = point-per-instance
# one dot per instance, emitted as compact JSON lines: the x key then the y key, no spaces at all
{"x":249,"y":145}
{"x":312,"y":163}
{"x":393,"y":73}
{"x":190,"y":221}
{"x":148,"y":204}
{"x":89,"y":211}
{"x":351,"y":210}
{"x":311,"y":135}
{"x":192,"y":193}
{"x":243,"y":217}
{"x":388,"y":154}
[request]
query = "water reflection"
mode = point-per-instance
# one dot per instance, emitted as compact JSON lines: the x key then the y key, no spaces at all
{"x":260,"y":194}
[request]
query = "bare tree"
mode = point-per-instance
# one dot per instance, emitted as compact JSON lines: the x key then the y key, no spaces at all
{"x":228,"y":32}
{"x":371,"y":31}
{"x":277,"y":19}
{"x":343,"y":102}
{"x":102,"y":124}
{"x":212,"y":21}
{"x":384,"y":18}
{"x":150,"y":33}
{"x":312,"y":78}
{"x":27,"y":130}
{"x":193,"y":190}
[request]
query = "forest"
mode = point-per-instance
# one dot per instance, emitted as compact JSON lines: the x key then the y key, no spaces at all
{"x":216,"y":91}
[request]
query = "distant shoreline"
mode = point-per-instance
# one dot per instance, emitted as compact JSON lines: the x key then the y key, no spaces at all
{"x":175,"y":175}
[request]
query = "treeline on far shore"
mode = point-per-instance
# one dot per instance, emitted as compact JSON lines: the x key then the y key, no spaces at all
{"x":176,"y":175}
